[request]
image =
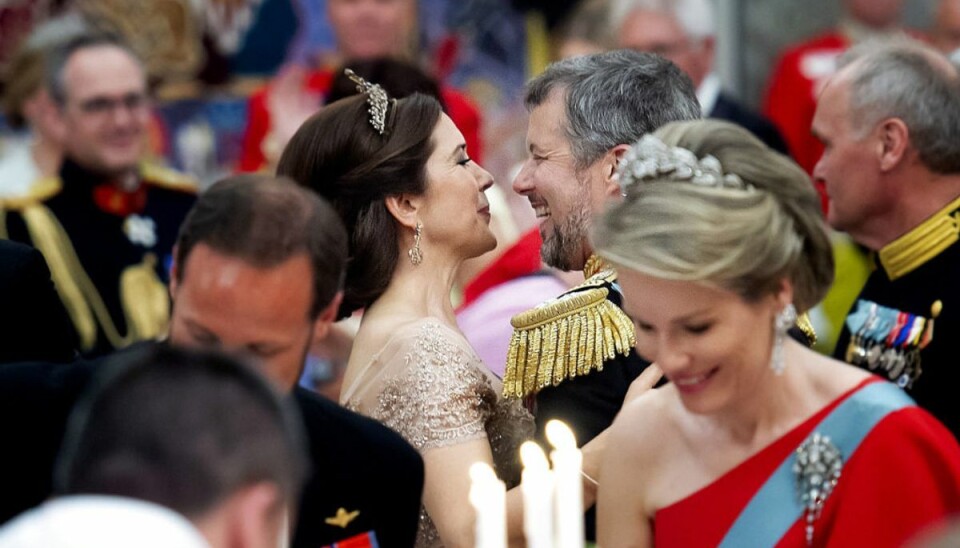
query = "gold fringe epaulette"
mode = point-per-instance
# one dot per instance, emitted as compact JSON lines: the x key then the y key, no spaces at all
{"x":40,"y":191}
{"x":566,"y":337}
{"x":165,"y":177}
{"x":806,"y":327}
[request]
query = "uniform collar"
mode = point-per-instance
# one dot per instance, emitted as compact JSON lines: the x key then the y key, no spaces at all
{"x":594,"y":266}
{"x":105,"y":193}
{"x":931,"y":237}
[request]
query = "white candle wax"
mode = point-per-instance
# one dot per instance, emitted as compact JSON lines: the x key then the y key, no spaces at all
{"x":536,"y":485}
{"x":488,"y":496}
{"x":567,"y":463}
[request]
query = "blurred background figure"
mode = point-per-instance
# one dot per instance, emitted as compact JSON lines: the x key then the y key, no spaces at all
{"x":107,"y":222}
{"x":795,"y":82}
{"x":945,"y":32}
{"x":584,"y":31}
{"x":28,"y":108}
{"x":363,"y":30}
{"x":216,"y":459}
{"x":684,"y":31}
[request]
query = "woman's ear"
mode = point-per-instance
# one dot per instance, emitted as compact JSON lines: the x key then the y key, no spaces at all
{"x":405,"y":208}
{"x":784,"y":295}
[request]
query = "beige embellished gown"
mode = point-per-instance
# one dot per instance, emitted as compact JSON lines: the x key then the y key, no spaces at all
{"x":429,"y":385}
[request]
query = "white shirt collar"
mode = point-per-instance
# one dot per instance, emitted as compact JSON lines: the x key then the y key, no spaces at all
{"x":94,"y":521}
{"x":708,"y":92}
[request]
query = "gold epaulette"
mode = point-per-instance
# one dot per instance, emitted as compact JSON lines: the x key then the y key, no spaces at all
{"x":806,"y":327}
{"x":40,"y":191}
{"x":165,"y":177}
{"x":566,"y":337}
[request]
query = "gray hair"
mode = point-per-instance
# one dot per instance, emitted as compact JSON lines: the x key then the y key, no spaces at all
{"x":744,"y":239}
{"x":696,"y":17}
{"x":58,"y":57}
{"x":614,"y":98}
{"x":903,"y":79}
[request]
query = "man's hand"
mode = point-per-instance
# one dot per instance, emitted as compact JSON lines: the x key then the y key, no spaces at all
{"x":642,"y":384}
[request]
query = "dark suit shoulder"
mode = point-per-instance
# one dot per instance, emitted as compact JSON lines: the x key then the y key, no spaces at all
{"x":728,"y":108}
{"x":361,"y":469}
{"x":33,"y":323}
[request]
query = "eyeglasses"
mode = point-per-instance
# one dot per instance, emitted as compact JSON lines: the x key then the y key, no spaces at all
{"x":101,"y":106}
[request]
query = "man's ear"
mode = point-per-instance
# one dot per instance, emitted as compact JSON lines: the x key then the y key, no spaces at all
{"x":894,"y":142}
{"x":611,"y":163}
{"x":258,"y":516}
{"x":321,"y":326}
{"x":404,"y":208}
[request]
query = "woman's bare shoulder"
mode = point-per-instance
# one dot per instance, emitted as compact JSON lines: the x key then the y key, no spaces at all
{"x":644,"y":419}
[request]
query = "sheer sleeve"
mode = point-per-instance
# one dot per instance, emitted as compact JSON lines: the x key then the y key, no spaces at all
{"x":439,"y":396}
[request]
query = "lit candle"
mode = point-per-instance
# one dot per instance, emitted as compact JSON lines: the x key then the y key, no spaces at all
{"x":567,"y":462}
{"x":488,"y":496}
{"x":536,"y":485}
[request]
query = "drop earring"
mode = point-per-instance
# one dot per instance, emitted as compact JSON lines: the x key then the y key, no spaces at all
{"x":415,"y":254}
{"x":785,"y":319}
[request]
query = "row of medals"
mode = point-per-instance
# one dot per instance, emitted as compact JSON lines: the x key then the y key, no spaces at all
{"x":901,"y":365}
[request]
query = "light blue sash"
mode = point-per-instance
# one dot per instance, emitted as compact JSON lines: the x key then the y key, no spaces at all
{"x":776,"y":506}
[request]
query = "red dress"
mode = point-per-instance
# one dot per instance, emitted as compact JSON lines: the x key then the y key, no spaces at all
{"x":903,"y":477}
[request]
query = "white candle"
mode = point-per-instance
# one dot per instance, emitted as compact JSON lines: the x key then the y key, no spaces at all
{"x":536,"y":485}
{"x":488,"y":496}
{"x":567,"y":463}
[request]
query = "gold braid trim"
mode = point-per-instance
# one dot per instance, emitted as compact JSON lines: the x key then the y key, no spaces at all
{"x":51,"y":239}
{"x":146,"y":305}
{"x":165,"y":177}
{"x":924,"y":242}
{"x":142,"y":294}
{"x":565,"y":338}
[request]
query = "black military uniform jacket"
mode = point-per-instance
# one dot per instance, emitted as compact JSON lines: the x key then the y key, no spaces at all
{"x":364,"y":477}
{"x":109,"y":250}
{"x":903,"y":324}
{"x":33,"y":324}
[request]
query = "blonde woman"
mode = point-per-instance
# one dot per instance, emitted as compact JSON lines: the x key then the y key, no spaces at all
{"x":758,"y":440}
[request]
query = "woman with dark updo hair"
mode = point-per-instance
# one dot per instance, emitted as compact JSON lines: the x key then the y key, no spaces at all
{"x":398,"y":173}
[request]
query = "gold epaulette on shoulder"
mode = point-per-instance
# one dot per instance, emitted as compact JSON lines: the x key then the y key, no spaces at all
{"x":165,"y":177}
{"x":40,"y":191}
{"x":564,"y":338}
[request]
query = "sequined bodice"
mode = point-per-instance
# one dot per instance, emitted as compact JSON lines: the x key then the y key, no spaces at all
{"x":430,"y":386}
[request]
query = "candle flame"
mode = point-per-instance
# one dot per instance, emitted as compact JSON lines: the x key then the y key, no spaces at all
{"x":560,"y":436}
{"x":481,"y":471}
{"x":533,"y":456}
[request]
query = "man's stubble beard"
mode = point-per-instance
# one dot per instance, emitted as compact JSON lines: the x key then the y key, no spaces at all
{"x":563,"y":247}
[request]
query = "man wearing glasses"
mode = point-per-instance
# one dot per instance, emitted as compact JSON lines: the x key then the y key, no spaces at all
{"x":107,"y":224}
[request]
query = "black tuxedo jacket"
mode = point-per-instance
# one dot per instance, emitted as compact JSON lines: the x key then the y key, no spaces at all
{"x":729,"y":109}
